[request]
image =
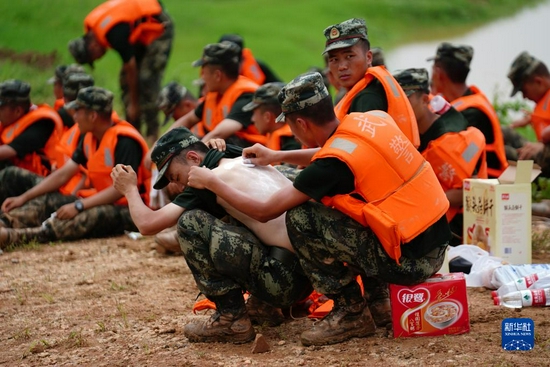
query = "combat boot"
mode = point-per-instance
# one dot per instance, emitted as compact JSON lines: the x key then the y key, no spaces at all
{"x":229,"y":324}
{"x":19,"y":236}
{"x":377,"y":295}
{"x":167,"y":243}
{"x":342,"y":323}
{"x":262,"y":313}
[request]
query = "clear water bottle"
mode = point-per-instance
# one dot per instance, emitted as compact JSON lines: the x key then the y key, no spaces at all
{"x":521,"y":284}
{"x":542,"y":282}
{"x":525,"y":298}
{"x":439,"y":104}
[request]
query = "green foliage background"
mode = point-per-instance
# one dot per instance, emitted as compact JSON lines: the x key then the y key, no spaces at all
{"x":288,"y":35}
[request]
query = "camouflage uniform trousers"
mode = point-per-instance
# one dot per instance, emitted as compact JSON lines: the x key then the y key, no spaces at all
{"x":100,"y":221}
{"x":325,"y":239}
{"x":224,"y":257}
{"x":151,"y":62}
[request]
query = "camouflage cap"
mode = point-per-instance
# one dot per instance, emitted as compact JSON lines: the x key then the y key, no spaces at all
{"x":303,"y":91}
{"x":78,"y":48}
{"x":522,"y":67}
{"x":235,"y":38}
{"x":225,"y":52}
{"x":412,"y":80}
{"x":378,"y":57}
{"x":265,"y":94}
{"x":73,"y":82}
{"x":13,"y":90}
{"x":62,"y":70}
{"x":345,"y":34}
{"x":461,"y":53}
{"x":170,"y":95}
{"x":93,"y":98}
{"x":166,"y":148}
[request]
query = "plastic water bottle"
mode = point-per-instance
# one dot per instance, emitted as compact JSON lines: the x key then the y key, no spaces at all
{"x":525,"y":298}
{"x":439,"y":104}
{"x":543,"y":282}
{"x":521,"y":284}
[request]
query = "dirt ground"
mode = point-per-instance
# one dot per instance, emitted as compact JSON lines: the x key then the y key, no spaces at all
{"x":116,"y":302}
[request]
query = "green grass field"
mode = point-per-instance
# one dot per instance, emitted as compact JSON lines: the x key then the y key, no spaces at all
{"x":288,"y":35}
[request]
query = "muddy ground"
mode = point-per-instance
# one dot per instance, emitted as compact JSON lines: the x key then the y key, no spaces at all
{"x":116,"y":302}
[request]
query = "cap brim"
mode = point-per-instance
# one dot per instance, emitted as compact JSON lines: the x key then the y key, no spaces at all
{"x":431,"y":58}
{"x":250,"y":106}
{"x":340,"y":44}
{"x":73,"y":105}
{"x":514,"y":91}
{"x":280,"y":118}
{"x":197,"y":63}
{"x":51,"y":80}
{"x":162,"y":181}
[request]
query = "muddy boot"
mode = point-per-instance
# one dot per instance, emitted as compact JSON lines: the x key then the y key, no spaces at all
{"x":261,"y":313}
{"x":229,"y":324}
{"x":377,"y":295}
{"x":344,"y":322}
{"x":167,"y":243}
{"x":18,"y":236}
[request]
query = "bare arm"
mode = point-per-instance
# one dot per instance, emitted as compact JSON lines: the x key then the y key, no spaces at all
{"x":262,"y":156}
{"x":49,"y":184}
{"x":189,"y":120}
{"x":148,"y":221}
{"x":223,"y":130}
{"x":455,"y":197}
{"x":263,"y":211}
{"x":6,"y":152}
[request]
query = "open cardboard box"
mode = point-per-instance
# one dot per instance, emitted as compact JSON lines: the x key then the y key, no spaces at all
{"x":497,"y":212}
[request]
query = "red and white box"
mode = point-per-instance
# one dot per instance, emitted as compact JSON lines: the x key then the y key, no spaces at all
{"x":436,"y":307}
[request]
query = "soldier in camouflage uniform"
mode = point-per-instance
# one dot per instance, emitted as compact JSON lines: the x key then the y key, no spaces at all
{"x":57,"y":81}
{"x":431,"y":127}
{"x":143,"y":64}
{"x":175,"y":101}
{"x":225,"y":257}
{"x":334,"y":248}
{"x":531,"y":76}
{"x":29,"y":201}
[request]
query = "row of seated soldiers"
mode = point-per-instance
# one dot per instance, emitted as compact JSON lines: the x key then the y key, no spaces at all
{"x":41,"y":140}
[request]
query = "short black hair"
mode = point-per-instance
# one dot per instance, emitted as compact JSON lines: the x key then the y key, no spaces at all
{"x":319,"y":114}
{"x":274,"y":108}
{"x":231,"y":70}
{"x":455,"y":69}
{"x":25,"y":105}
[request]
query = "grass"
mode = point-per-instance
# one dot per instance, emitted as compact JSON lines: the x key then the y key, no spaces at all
{"x":288,"y":35}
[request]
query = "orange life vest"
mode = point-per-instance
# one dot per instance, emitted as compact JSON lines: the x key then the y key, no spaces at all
{"x":479,"y":100}
{"x":217,"y":107}
{"x":540,"y":118}
{"x":34,"y":161}
{"x":274,"y":138}
{"x":145,"y":28}
{"x":101,"y":160}
{"x":65,"y":149}
{"x":250,"y":67}
{"x":455,"y":156}
{"x":399,"y":107}
{"x":60,"y":102}
{"x":402,"y":194}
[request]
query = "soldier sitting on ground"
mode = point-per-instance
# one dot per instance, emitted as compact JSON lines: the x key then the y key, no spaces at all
{"x":30,"y":200}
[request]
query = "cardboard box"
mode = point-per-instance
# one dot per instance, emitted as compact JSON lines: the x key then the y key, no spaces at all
{"x":436,"y":307}
{"x":497,"y":213}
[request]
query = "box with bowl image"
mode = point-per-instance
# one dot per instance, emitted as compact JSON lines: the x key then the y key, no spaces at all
{"x":436,"y":307}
